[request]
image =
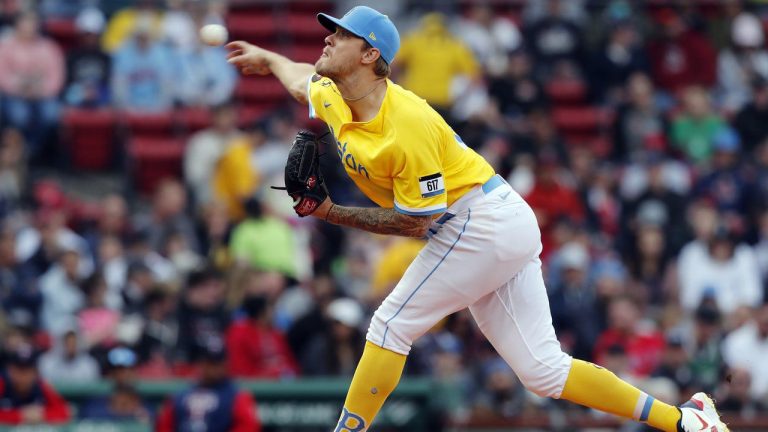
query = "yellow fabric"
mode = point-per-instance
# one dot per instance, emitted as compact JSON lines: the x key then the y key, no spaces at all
{"x":122,"y":25}
{"x":432,"y":58}
{"x":600,"y":389}
{"x":376,"y":376}
{"x":235,"y":178}
{"x":391,"y":266}
{"x":407,"y":157}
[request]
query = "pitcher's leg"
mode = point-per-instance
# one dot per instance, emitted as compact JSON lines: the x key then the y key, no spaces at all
{"x":516,"y":320}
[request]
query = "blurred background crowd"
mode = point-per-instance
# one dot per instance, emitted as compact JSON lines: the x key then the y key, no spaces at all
{"x":139,"y":236}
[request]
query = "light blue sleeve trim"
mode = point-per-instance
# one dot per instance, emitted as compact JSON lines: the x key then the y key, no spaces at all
{"x":424,"y":213}
{"x":309,"y":97}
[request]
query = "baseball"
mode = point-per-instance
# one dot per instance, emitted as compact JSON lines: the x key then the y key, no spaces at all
{"x":214,"y":34}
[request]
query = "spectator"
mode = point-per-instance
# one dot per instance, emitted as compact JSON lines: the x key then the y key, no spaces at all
{"x":214,"y":231}
{"x":204,"y":149}
{"x":431,"y":58}
{"x":680,"y":57}
{"x":743,"y":62}
{"x":640,"y":125}
{"x":67,"y":361}
{"x":205,"y":78}
{"x":142,"y":80}
{"x":556,"y":42}
{"x":62,"y":296}
{"x":168,"y":215}
{"x":120,"y":367}
{"x":179,"y":253}
{"x":751,"y":122}
{"x":125,"y":22}
{"x":178,"y":28}
{"x":257,"y":349}
{"x":706,"y":359}
{"x":314,"y":322}
{"x":89,"y":68}
{"x":26,"y":398}
{"x":202,"y":306}
{"x":723,"y":271}
{"x":552,"y":199}
{"x":160,"y":329}
{"x":619,"y":58}
{"x":336,"y":351}
{"x":675,"y":364}
{"x":694,"y":129}
{"x":489,"y":37}
{"x":642,"y":343}
{"x":517,"y":91}
{"x":99,"y":322}
{"x":19,"y":281}
{"x":391,"y":265}
{"x":572,"y":300}
{"x":225,"y":409}
{"x":139,"y":282}
{"x":738,"y":396}
{"x":235,"y":179}
{"x":264,"y":242}
{"x":123,"y":405}
{"x":648,"y":261}
{"x":31,"y":78}
{"x":13,"y":171}
{"x":39,"y":246}
{"x":725,"y":184}
{"x":112,"y":222}
{"x":745,"y":345}
{"x":501,"y":392}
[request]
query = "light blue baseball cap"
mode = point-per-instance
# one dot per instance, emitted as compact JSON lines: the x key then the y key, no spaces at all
{"x":373,"y":26}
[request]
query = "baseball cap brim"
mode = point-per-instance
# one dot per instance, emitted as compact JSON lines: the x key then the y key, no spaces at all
{"x":331,"y":23}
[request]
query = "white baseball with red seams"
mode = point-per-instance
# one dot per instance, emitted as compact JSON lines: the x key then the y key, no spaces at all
{"x":214,"y":34}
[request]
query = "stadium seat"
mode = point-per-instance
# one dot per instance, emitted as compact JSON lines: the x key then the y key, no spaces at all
{"x":258,"y":89}
{"x":252,"y":27}
{"x":88,"y":136}
{"x":308,"y":53}
{"x":149,"y":125}
{"x":249,"y":114}
{"x":62,"y":31}
{"x":582,"y":119}
{"x":194,"y":119}
{"x":154,"y":159}
{"x":566,"y":92}
{"x":302,"y":26}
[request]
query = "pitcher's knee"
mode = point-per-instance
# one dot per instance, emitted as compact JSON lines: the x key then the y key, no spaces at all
{"x":547,"y":379}
{"x":392,"y":334}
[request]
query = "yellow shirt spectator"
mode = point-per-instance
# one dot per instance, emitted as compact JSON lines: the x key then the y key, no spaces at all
{"x":394,"y":260}
{"x":431,"y":58}
{"x":124,"y":23}
{"x":234,"y":178}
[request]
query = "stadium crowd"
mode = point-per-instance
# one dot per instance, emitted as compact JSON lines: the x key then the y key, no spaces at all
{"x":654,"y":221}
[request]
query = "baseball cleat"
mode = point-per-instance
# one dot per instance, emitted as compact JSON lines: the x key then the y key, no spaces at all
{"x":699,"y":415}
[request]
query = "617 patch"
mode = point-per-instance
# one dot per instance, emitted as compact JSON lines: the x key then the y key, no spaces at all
{"x":431,"y":185}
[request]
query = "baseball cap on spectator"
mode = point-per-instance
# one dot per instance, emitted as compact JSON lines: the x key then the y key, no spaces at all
{"x":726,"y":140}
{"x":574,"y":256}
{"x":747,"y":31}
{"x":212,"y":350}
{"x":707,"y":314}
{"x":202,"y":275}
{"x":90,"y":20}
{"x":653,"y":213}
{"x":121,"y":357}
{"x":369,"y":24}
{"x":345,"y":311}
{"x":22,"y":356}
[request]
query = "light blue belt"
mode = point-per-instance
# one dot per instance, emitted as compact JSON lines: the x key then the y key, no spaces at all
{"x":493,"y":183}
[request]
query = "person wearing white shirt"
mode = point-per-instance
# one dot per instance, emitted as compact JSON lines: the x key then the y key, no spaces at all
{"x":747,"y":348}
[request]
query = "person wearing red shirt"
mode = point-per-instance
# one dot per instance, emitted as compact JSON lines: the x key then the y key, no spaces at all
{"x":681,"y":57}
{"x":24,"y":397}
{"x":643,"y":345}
{"x":552,"y":201}
{"x":258,"y":350}
{"x":214,"y":403}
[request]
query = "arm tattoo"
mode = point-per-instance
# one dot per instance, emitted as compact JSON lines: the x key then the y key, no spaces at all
{"x":380,"y":220}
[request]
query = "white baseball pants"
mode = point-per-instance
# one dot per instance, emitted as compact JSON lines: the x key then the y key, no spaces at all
{"x":483,"y":254}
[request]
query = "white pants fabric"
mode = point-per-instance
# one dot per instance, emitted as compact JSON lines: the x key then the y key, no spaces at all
{"x":483,"y":254}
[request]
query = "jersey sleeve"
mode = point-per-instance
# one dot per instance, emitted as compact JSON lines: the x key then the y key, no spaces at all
{"x":325,"y":102}
{"x":418,"y":184}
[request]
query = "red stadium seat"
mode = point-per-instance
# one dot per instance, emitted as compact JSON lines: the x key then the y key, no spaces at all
{"x":308,"y":53}
{"x":252,"y":27}
{"x":260,"y":89}
{"x":249,"y":114}
{"x":305,"y":27}
{"x":149,"y":125}
{"x":569,"y":92}
{"x":155,"y":159}
{"x":88,"y":136}
{"x":582,"y":119}
{"x":194,"y":119}
{"x":62,"y":31}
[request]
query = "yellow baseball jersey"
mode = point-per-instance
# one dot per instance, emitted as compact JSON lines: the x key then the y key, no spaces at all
{"x":407,"y":157}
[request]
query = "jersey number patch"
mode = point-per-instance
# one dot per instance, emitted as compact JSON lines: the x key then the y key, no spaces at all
{"x":431,"y":185}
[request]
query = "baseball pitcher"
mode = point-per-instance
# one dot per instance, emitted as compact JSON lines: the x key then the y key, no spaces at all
{"x":484,"y":241}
